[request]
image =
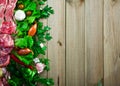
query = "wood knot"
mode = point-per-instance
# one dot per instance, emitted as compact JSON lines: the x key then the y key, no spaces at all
{"x":119,"y":56}
{"x":58,"y":81}
{"x":82,"y":0}
{"x":114,"y":2}
{"x":75,"y":2}
{"x":60,"y":43}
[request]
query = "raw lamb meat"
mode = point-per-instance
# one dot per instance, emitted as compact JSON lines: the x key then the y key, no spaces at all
{"x":4,"y":61}
{"x":6,"y":44}
{"x":3,"y":4}
{"x":5,"y":51}
{"x":6,"y":41}
{"x":7,"y":28}
{"x":10,"y":10}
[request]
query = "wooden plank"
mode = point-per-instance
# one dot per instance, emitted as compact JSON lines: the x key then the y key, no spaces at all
{"x":112,"y":42}
{"x":56,"y":47}
{"x":75,"y":43}
{"x":93,"y":41}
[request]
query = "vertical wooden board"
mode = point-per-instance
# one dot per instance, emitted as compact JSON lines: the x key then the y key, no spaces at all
{"x":112,"y":43}
{"x":75,"y":43}
{"x":56,"y":47}
{"x":94,"y":41}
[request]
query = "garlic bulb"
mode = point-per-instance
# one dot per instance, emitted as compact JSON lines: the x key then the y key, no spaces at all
{"x":20,"y":15}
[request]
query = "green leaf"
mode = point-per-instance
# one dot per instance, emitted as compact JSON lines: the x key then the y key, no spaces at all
{"x":30,"y":6}
{"x":31,"y":19}
{"x":48,"y":36}
{"x":27,"y":59}
{"x":20,"y":33}
{"x":21,"y":42}
{"x":22,"y":26}
{"x":46,"y":11}
{"x":27,"y":41}
{"x":44,"y":81}
{"x":12,"y":83}
{"x":46,"y":28}
{"x":99,"y":83}
{"x":46,"y":62}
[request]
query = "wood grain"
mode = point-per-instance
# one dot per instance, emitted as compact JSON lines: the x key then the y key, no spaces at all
{"x":86,"y":44}
{"x":111,"y":42}
{"x":94,"y":41}
{"x":56,"y":47}
{"x":75,"y":44}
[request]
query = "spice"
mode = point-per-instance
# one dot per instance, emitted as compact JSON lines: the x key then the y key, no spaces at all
{"x":21,"y":6}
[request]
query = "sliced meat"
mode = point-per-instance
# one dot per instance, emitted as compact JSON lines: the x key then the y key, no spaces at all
{"x":3,"y":4}
{"x":4,"y":61}
{"x":10,"y":10}
{"x":6,"y":44}
{"x":5,"y":51}
{"x":5,"y":81}
{"x":1,"y":83}
{"x":6,"y":41}
{"x":7,"y":27}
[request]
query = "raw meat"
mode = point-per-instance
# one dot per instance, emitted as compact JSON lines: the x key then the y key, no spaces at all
{"x":6,"y":44}
{"x":6,"y":41}
{"x":10,"y":10}
{"x":7,"y":28}
{"x":5,"y":51}
{"x":3,"y":4}
{"x":4,"y":61}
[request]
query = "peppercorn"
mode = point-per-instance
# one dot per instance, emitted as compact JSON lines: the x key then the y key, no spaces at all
{"x":28,"y":13}
{"x":21,"y":6}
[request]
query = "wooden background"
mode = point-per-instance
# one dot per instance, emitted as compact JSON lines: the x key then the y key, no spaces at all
{"x":85,"y":48}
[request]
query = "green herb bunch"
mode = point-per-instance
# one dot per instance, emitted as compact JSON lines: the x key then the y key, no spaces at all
{"x":19,"y":74}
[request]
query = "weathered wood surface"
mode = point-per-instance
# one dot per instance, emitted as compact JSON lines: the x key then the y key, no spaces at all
{"x":56,"y":47}
{"x":75,"y":43}
{"x":111,"y":43}
{"x":94,"y":41}
{"x":86,"y":45}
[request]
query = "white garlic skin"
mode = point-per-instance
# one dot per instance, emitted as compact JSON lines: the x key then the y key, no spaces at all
{"x":20,"y":15}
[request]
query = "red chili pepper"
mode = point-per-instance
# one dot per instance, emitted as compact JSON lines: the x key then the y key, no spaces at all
{"x":20,"y":62}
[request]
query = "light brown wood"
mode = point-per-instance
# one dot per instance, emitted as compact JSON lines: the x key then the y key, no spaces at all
{"x":56,"y":47}
{"x":94,"y":41}
{"x":88,"y":50}
{"x":112,"y":42}
{"x":75,"y":44}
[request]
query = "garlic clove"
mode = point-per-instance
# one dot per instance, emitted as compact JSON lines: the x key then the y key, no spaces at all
{"x":20,"y":15}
